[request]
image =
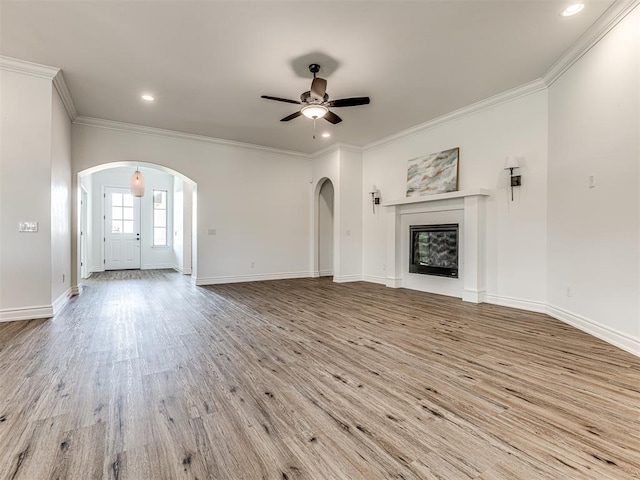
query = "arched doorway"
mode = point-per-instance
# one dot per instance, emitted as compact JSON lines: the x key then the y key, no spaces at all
{"x":163,"y":244}
{"x":326,"y":245}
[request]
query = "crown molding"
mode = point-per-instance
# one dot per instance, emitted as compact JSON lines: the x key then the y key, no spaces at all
{"x":506,"y":96}
{"x":609,"y":19}
{"x":27,"y":68}
{"x":336,"y":147}
{"x":42,"y":71}
{"x":160,"y":132}
{"x":65,"y":95}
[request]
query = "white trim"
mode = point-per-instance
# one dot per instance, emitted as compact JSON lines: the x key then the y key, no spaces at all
{"x":315,"y":274}
{"x":249,"y":278}
{"x":77,"y":289}
{"x":609,"y":19}
{"x":472,"y":296}
{"x":335,"y":147}
{"x":27,"y":313}
{"x":324,"y":273}
{"x":506,"y":96}
{"x":183,"y":271}
{"x":61,"y":301}
{"x":65,"y":95}
{"x":440,"y":196}
{"x":513,"y":302}
{"x":347,"y":278}
{"x":159,"y":132}
{"x":614,"y":337}
{"x":392,"y":282}
{"x":27,"y":68}
{"x":156,"y":266}
{"x":374,"y":279}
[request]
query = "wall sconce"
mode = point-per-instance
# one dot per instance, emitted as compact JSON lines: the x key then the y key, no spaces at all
{"x":516,"y":180}
{"x":375,"y":197}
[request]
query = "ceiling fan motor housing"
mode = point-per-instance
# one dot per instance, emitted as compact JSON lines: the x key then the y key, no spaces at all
{"x":308,"y":99}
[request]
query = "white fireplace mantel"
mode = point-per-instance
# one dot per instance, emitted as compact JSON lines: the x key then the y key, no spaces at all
{"x":473,"y":206}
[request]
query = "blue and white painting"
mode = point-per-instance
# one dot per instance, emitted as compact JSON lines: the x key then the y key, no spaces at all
{"x":433,"y":173}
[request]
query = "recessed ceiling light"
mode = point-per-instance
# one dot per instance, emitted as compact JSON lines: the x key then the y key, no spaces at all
{"x":148,"y":98}
{"x":573,"y":9}
{"x":326,"y":134}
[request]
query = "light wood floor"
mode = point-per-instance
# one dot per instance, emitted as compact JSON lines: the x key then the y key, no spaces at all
{"x":147,"y":377}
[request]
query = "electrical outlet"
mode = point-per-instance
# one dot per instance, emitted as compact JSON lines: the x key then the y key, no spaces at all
{"x":569,"y":292}
{"x":384,"y":267}
{"x":253,"y":264}
{"x":348,"y":233}
{"x":63,"y":277}
{"x":592,"y":180}
{"x":211,"y":231}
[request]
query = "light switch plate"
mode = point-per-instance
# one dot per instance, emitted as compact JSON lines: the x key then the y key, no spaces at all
{"x":29,"y":227}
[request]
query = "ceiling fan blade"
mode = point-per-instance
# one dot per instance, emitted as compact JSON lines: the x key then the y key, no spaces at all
{"x":349,"y":102}
{"x":291,"y":117}
{"x":318,"y":88}
{"x":278,"y":99}
{"x":332,"y":117}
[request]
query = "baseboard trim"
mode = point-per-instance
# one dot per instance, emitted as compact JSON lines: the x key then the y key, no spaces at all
{"x":183,"y":271}
{"x":614,"y":337}
{"x":374,"y":279}
{"x":61,"y":301}
{"x":347,"y":278}
{"x":250,"y":278}
{"x":473,"y":296}
{"x":76,"y":290}
{"x":513,"y":302}
{"x":28,"y":313}
{"x":157,"y":266}
{"x":325,"y":273}
{"x":393,"y":282}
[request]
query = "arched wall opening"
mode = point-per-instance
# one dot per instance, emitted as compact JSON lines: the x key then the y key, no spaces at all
{"x":179,"y":253}
{"x":326,"y":241}
{"x":326,"y":229}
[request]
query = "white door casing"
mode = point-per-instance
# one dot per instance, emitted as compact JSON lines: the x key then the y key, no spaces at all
{"x":84,"y":267}
{"x":121,"y":229}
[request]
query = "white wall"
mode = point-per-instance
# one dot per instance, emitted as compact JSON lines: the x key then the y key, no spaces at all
{"x":150,"y":256}
{"x":594,"y":242}
{"x":60,"y":203}
{"x":350,"y":221}
{"x":516,"y":231}
{"x":325,"y":229}
{"x":182,"y":213}
{"x":256,"y":200}
{"x":343,"y":166}
{"x":25,"y":195}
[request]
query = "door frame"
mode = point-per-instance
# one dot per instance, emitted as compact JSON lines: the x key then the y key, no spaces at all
{"x":103,"y":232}
{"x":84,"y":226}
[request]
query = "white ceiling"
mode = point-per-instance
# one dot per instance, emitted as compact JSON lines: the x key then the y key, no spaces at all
{"x":208,"y":62}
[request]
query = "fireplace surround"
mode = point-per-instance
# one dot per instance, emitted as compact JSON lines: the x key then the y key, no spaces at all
{"x":471,"y":207}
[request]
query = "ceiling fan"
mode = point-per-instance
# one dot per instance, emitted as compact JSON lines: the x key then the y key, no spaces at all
{"x":315,"y":103}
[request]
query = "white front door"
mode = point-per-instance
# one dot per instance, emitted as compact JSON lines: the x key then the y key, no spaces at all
{"x":121,"y":229}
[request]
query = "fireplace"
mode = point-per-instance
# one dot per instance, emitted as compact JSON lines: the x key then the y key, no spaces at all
{"x":434,"y":250}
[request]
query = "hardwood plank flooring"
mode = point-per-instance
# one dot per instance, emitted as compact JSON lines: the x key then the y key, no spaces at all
{"x":145,"y":376}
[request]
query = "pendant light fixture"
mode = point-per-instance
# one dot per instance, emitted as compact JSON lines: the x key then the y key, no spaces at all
{"x":137,"y":184}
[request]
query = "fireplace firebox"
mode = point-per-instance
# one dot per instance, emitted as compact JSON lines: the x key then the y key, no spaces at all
{"x":434,"y":250}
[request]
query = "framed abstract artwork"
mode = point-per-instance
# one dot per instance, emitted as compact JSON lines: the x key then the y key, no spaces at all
{"x":433,"y":173}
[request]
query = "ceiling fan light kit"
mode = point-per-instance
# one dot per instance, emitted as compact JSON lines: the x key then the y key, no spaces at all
{"x":314,"y":111}
{"x":315,"y":102}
